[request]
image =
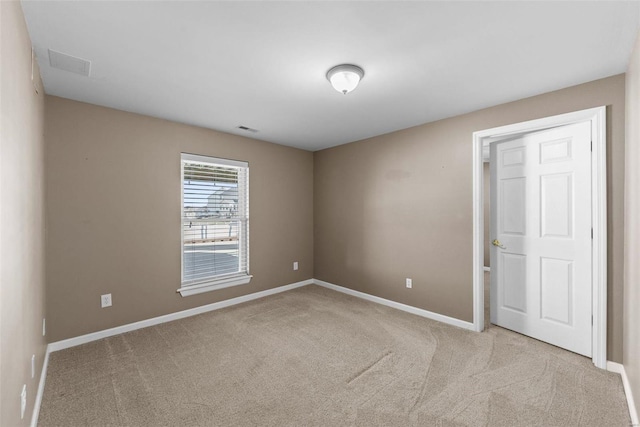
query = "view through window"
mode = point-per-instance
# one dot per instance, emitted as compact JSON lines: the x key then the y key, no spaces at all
{"x":215,"y":220}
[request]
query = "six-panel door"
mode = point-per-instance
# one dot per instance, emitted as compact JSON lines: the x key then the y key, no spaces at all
{"x":541,"y":219}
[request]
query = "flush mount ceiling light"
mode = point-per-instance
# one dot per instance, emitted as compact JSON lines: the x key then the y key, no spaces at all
{"x":345,"y":78}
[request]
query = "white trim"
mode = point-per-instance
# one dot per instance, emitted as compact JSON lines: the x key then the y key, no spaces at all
{"x":619,"y":369}
{"x":215,"y":282}
{"x":478,"y":235}
{"x":597,"y":117}
{"x":72,"y":342}
{"x":210,"y":160}
{"x":615,"y":367}
{"x":399,"y":306}
{"x":485,"y":268}
{"x":214,"y":285}
{"x":599,"y":245}
{"x":38,"y":402}
{"x":94,"y":336}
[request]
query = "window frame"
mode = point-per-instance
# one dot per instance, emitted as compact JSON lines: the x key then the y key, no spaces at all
{"x":220,"y":281}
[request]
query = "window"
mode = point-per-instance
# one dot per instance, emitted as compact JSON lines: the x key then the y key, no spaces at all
{"x":215,"y":224}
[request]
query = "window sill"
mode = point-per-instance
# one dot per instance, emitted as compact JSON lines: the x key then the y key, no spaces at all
{"x":199,"y":288}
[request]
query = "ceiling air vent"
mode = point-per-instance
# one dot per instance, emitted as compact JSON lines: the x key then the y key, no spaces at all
{"x":247,"y":129}
{"x":69,"y":63}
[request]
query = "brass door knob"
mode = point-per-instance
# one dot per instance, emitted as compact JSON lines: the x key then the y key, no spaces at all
{"x":497,"y":243}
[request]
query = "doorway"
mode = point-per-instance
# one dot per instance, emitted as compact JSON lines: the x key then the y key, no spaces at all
{"x":594,"y":119}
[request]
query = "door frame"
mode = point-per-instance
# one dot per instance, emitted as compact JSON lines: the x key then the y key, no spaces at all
{"x":481,"y":139}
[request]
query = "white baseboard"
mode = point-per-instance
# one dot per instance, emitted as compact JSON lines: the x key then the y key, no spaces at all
{"x":399,"y":306}
{"x":486,"y":268}
{"x":94,"y":336}
{"x":619,"y":369}
{"x":38,"y":402}
{"x":83,"y":339}
{"x":614,"y":367}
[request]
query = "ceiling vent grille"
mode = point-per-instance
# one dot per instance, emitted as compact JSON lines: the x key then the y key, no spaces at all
{"x":247,"y":129}
{"x":69,"y":63}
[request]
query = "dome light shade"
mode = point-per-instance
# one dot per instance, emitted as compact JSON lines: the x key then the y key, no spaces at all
{"x":345,"y":78}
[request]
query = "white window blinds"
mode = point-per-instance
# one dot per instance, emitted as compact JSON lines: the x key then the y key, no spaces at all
{"x":215,"y":223}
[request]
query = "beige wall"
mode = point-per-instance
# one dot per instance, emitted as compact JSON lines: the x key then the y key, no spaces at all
{"x":22,"y":234}
{"x":113,"y":214}
{"x":631,"y":355}
{"x":400,"y":205}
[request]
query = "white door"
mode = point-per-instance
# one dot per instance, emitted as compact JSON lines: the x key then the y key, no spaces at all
{"x":541,"y":232}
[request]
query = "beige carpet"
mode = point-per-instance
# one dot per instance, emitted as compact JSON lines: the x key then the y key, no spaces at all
{"x":315,"y":357}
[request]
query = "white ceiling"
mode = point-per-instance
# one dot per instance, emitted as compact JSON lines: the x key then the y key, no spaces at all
{"x":263,"y":64}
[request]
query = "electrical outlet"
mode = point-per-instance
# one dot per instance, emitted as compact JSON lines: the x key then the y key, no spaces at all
{"x":295,"y":265}
{"x":23,"y":401}
{"x":44,"y":326}
{"x":409,"y":283}
{"x":105,"y":300}
{"x":33,"y":366}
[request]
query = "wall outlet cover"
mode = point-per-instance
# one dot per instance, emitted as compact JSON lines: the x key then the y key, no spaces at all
{"x":105,"y":300}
